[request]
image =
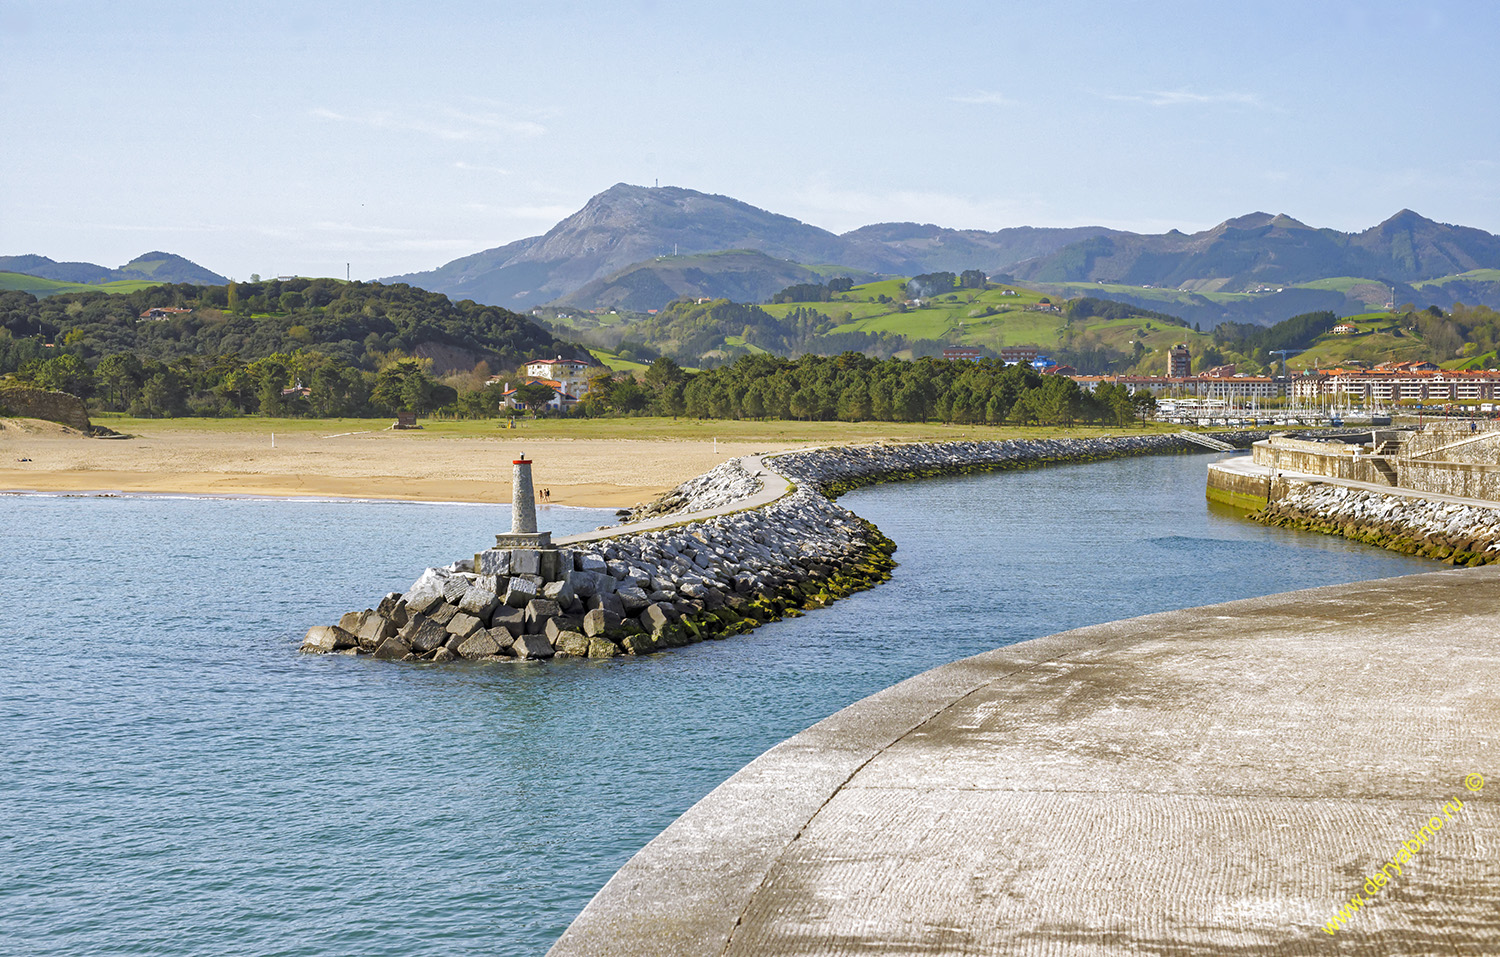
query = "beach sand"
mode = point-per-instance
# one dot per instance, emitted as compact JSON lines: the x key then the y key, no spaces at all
{"x":600,"y":473}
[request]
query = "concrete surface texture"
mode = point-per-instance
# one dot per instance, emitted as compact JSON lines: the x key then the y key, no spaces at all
{"x":1219,"y":780}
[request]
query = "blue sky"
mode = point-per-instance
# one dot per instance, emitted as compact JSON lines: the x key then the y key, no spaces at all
{"x":285,"y":138}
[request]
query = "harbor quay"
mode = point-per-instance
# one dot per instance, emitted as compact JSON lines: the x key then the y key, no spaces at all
{"x":1303,"y":773}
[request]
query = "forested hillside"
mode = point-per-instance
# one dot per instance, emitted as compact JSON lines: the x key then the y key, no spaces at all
{"x":234,"y":348}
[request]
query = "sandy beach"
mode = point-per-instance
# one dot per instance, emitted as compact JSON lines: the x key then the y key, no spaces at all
{"x":602,"y":473}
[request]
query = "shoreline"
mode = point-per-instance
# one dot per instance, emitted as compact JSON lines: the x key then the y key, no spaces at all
{"x":605,"y":472}
{"x":308,"y":488}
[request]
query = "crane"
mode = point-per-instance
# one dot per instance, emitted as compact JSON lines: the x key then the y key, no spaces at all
{"x":1283,"y":353}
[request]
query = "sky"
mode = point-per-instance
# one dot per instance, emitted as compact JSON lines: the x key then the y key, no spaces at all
{"x":312,"y":137}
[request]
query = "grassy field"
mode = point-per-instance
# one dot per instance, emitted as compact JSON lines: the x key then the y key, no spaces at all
{"x":1378,"y":338}
{"x":615,"y":364}
{"x":773,"y":433}
{"x":41,"y":288}
{"x":1167,"y":297}
{"x":1473,"y":275}
{"x":996,"y":318}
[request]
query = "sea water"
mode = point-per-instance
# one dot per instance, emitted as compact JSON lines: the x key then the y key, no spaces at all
{"x":178,"y":780}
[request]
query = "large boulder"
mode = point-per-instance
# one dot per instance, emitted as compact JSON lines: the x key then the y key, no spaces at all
{"x":538,"y":610}
{"x":558,"y":591}
{"x":638,"y":644}
{"x":463,"y":625}
{"x":479,"y":645}
{"x":609,"y":602}
{"x":571,"y":643}
{"x":511,"y":619}
{"x":494,"y":561}
{"x":374,"y":629}
{"x":519,"y":591}
{"x":321,"y":639}
{"x":479,"y":599}
{"x":454,"y":588}
{"x":423,"y":634}
{"x":602,"y":648}
{"x":656,"y":619}
{"x":393,"y":648}
{"x":632,"y":598}
{"x":599,"y":622}
{"x":503,"y":639}
{"x":393,"y":608}
{"x":443,"y":613}
{"x":532,"y":646}
{"x":556,"y":626}
{"x":429,"y":582}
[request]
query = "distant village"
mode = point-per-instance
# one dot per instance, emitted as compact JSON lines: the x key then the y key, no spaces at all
{"x":1384,"y":384}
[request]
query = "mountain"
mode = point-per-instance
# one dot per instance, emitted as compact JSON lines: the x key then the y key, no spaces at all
{"x":909,"y":249}
{"x":1259,"y":251}
{"x":620,"y":227}
{"x":158,"y":266}
{"x":744,"y":275}
{"x":629,"y":225}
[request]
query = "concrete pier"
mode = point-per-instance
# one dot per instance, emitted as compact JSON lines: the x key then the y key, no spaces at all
{"x":1219,"y":780}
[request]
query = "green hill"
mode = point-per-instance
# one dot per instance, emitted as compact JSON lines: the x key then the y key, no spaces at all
{"x":154,"y":267}
{"x":39,"y":287}
{"x":357,"y":324}
{"x":1090,"y":333}
{"x":744,"y":275}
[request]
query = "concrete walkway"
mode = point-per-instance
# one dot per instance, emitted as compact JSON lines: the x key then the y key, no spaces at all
{"x":773,"y":486}
{"x":1242,"y":465}
{"x":1216,"y":781}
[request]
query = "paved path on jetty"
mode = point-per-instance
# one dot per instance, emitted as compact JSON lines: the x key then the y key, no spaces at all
{"x":1219,"y":780}
{"x":773,"y":485}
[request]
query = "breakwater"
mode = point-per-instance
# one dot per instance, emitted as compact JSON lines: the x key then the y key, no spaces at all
{"x":636,"y":592}
{"x":1452,"y":532}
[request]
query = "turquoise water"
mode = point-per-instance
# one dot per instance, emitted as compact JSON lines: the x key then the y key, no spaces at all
{"x":179,"y":781}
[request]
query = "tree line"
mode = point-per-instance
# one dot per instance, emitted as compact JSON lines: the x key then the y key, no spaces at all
{"x":853,"y":387}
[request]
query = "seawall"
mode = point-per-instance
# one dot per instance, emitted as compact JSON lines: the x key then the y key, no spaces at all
{"x":1459,"y":532}
{"x":1213,"y":781}
{"x":723,"y":554}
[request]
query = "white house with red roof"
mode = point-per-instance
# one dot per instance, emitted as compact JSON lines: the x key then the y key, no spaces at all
{"x":572,"y":374}
{"x":561,"y":401}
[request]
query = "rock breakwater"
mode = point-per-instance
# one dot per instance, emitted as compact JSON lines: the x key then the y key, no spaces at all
{"x":637,"y":591}
{"x":1459,"y":534}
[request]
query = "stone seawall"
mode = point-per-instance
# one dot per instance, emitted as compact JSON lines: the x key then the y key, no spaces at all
{"x":27,"y":402}
{"x":1458,"y":534}
{"x":639,"y":591}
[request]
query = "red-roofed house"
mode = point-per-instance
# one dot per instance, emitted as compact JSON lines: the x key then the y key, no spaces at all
{"x":561,"y":399}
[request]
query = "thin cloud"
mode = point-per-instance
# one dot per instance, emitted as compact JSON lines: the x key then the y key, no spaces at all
{"x":985,"y":98}
{"x":1185,"y":98}
{"x":477,"y":168}
{"x":444,"y":124}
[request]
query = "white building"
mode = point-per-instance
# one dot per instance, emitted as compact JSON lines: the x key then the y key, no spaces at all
{"x":573,"y":374}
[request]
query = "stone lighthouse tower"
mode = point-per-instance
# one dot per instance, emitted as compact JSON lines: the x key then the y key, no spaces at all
{"x":523,"y":533}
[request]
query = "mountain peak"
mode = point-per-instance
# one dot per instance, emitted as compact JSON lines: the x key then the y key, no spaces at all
{"x":1248,"y":221}
{"x":1405,"y":219}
